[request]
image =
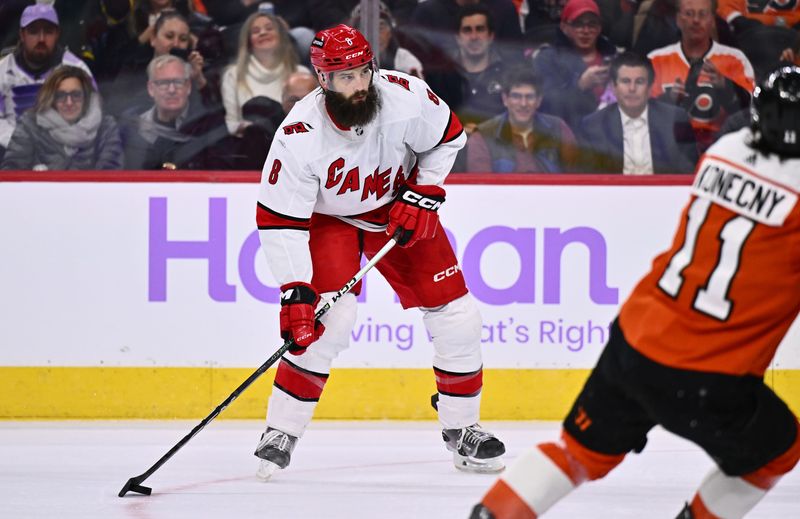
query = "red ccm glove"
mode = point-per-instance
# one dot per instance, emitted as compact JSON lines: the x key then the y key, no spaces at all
{"x":298,"y":301}
{"x":414,"y":213}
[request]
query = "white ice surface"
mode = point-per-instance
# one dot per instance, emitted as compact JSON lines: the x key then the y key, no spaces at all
{"x":353,"y":470}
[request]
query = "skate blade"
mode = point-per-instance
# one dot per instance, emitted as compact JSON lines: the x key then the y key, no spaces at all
{"x":474,"y":465}
{"x":265,"y":470}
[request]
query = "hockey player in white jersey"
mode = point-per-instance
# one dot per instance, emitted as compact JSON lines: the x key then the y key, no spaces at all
{"x":357,"y":161}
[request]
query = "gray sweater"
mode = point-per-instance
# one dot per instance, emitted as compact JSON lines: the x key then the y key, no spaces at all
{"x":31,"y":145}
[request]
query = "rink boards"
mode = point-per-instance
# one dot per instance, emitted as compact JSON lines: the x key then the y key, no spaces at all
{"x":146,"y":296}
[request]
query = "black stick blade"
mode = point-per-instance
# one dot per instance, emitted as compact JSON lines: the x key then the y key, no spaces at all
{"x":133,"y":486}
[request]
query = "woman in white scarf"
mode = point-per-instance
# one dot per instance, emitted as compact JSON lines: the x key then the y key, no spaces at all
{"x":66,"y":128}
{"x":266,"y":58}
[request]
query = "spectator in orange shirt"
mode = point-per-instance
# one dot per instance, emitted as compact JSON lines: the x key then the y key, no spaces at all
{"x":708,"y":79}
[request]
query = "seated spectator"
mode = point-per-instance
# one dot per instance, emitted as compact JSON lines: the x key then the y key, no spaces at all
{"x":177,"y":132}
{"x":480,"y":66}
{"x":147,"y":12}
{"x":655,"y":26}
{"x":637,"y":135}
{"x":521,"y":140}
{"x":439,"y":17}
{"x":109,"y":39}
{"x":171,"y":35}
{"x":575,"y":67}
{"x":66,"y":128}
{"x":706,"y":78}
{"x":541,"y":21}
{"x":392,"y":55}
{"x":23,"y":71}
{"x":762,"y":30}
{"x":297,"y":86}
{"x":252,"y":88}
{"x":744,"y":16}
{"x":265,"y":59}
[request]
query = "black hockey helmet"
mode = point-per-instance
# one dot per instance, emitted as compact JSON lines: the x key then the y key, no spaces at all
{"x":775,"y":112}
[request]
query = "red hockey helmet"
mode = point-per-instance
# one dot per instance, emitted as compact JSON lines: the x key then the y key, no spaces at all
{"x":340,"y":48}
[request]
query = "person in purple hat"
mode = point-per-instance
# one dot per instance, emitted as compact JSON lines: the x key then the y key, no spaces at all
{"x":23,"y":71}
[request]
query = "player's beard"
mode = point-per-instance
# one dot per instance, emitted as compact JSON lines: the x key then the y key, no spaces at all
{"x":347,"y":112}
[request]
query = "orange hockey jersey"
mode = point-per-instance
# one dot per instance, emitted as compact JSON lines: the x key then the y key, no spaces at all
{"x":670,"y":63}
{"x":784,"y":13}
{"x":724,"y":295}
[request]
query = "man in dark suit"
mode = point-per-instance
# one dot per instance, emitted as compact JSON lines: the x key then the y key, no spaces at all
{"x":636,"y":135}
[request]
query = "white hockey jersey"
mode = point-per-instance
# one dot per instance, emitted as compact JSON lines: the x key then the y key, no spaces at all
{"x":315,"y":166}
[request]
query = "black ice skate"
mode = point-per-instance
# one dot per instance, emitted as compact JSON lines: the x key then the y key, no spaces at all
{"x":275,"y":450}
{"x":474,"y":450}
{"x":481,"y":512}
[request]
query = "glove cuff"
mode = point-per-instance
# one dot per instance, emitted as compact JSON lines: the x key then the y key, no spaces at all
{"x":429,"y":197}
{"x":298,"y":292}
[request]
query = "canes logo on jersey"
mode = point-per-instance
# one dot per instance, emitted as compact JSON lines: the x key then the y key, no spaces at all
{"x":299,"y":127}
{"x":378,"y":183}
{"x":403,"y":82}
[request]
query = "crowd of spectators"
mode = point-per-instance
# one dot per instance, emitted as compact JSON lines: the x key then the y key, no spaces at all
{"x":541,"y":86}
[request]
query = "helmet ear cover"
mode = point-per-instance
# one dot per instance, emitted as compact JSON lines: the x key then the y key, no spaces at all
{"x":775,"y":112}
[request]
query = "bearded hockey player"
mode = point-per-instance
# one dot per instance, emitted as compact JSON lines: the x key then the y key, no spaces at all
{"x":691,"y":344}
{"x":359,"y":161}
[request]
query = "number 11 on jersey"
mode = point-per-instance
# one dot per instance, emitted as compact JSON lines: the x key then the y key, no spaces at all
{"x":712,"y":299}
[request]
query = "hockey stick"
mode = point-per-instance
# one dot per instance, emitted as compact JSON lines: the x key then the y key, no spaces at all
{"x":134,"y":483}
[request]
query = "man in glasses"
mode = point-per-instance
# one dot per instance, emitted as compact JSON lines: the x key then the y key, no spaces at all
{"x":176,"y":132}
{"x":23,"y":71}
{"x":708,"y":79}
{"x":575,"y":66}
{"x":521,"y":139}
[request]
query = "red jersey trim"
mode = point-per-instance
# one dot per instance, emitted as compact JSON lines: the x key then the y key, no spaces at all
{"x":302,"y":384}
{"x":266,"y":218}
{"x":458,"y":384}
{"x":452,"y":130}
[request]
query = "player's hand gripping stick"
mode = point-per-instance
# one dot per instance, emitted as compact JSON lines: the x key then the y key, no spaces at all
{"x":414,"y":215}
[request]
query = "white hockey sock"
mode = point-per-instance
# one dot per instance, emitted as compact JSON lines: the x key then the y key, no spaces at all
{"x":530,"y":486}
{"x":726,"y":496}
{"x":288,"y":414}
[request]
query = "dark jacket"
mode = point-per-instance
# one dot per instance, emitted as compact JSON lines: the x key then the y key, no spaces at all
{"x":31,"y":145}
{"x":481,"y":92}
{"x":440,"y":16}
{"x":490,"y":147}
{"x":672,"y":141}
{"x":560,"y":66}
{"x":201,"y":141}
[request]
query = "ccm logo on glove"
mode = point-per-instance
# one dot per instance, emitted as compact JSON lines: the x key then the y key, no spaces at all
{"x":413,"y":198}
{"x":413,"y":214}
{"x":298,"y":301}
